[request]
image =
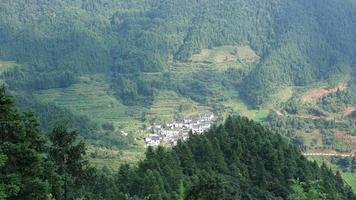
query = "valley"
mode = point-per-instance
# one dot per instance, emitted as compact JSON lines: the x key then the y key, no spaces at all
{"x":123,"y":82}
{"x":92,"y":97}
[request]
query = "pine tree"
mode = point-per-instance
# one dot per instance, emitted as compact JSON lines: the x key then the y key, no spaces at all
{"x":68,"y":155}
{"x":22,"y":173}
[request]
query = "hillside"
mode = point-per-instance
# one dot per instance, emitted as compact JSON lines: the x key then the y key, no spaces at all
{"x":122,"y":65}
{"x":237,"y":160}
{"x":298,"y":42}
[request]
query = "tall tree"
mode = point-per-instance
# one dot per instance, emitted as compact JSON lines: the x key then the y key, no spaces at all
{"x":22,"y":173}
{"x":68,"y":155}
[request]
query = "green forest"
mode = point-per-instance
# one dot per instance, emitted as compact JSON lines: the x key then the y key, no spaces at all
{"x":140,"y":49}
{"x":99,"y":73}
{"x":298,"y":42}
{"x":239,"y":159}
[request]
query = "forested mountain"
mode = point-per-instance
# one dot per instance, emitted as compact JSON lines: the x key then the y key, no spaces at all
{"x":299,"y":42}
{"x":113,"y":68}
{"x":237,"y":160}
{"x":144,"y":48}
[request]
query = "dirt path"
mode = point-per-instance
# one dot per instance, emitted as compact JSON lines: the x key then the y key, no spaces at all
{"x":329,"y":154}
{"x":317,"y":93}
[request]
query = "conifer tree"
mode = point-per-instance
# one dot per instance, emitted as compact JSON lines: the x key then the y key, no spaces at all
{"x":68,"y":155}
{"x":22,"y":173}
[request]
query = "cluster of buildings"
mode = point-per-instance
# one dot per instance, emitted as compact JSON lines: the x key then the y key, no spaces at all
{"x":169,"y":134}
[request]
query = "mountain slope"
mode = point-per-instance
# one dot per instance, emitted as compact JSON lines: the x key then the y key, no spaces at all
{"x":229,"y":57}
{"x":237,"y":160}
{"x":299,"y":41}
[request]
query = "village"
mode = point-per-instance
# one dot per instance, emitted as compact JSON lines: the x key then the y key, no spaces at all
{"x":171,"y":133}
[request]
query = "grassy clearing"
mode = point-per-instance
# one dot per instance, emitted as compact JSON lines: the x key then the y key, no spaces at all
{"x":217,"y":59}
{"x":281,"y":96}
{"x":350,"y":179}
{"x":323,"y":159}
{"x":6,"y":65}
{"x":112,"y":159}
{"x":225,"y":54}
{"x":236,"y":106}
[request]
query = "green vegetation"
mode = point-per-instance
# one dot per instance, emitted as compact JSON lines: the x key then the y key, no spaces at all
{"x":225,"y":54}
{"x":302,"y":191}
{"x":239,"y":159}
{"x":245,"y":54}
{"x":33,"y":166}
{"x":350,"y":179}
{"x":6,"y":65}
{"x":90,"y":98}
{"x":120,"y":65}
{"x":346,"y":165}
{"x":241,"y":108}
{"x":126,"y":39}
{"x":168,"y":106}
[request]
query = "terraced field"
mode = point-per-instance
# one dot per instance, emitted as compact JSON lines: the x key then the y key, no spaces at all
{"x":91,"y":97}
{"x":169,"y":105}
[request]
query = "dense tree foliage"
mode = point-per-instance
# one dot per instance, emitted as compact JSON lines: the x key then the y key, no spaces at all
{"x":22,"y":146}
{"x":31,"y":166}
{"x":135,"y":43}
{"x":302,"y":191}
{"x":55,"y":42}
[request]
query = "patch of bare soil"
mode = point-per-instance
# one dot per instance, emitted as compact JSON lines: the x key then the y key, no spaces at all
{"x":345,"y":137}
{"x":317,"y":93}
{"x":348,"y":111}
{"x":280,"y":112}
